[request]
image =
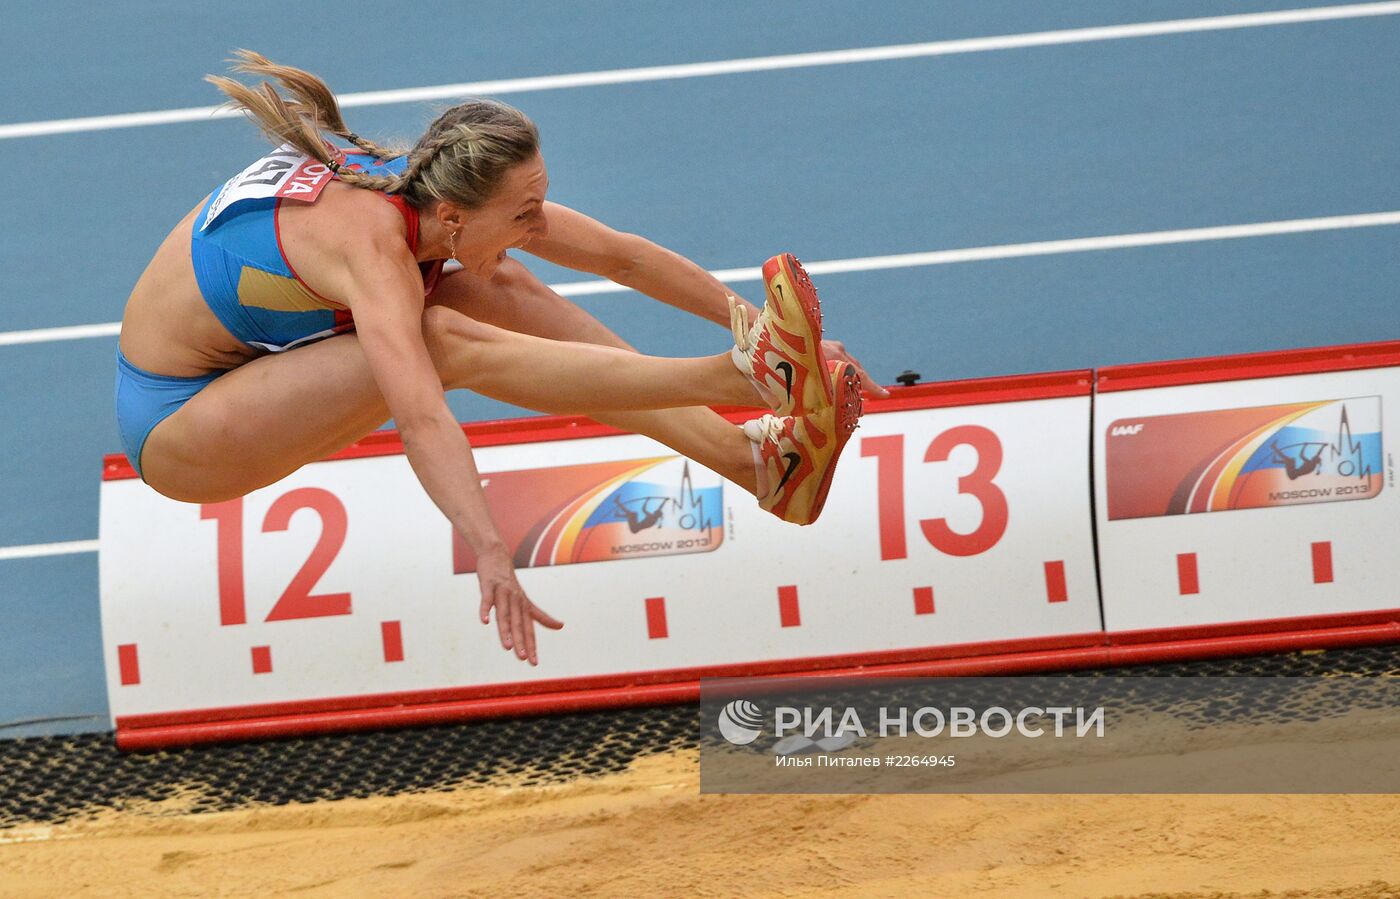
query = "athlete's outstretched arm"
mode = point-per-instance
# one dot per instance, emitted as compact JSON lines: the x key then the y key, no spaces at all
{"x":385,"y":292}
{"x":585,"y":244}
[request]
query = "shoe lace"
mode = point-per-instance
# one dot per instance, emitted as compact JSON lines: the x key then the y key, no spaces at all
{"x":767,"y":428}
{"x":739,"y":324}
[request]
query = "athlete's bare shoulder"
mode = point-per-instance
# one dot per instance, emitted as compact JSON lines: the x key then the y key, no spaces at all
{"x":365,"y":209}
{"x":341,"y":219}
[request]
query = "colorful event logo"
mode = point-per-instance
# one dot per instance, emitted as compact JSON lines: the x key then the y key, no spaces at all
{"x":1218,"y":460}
{"x":602,"y":510}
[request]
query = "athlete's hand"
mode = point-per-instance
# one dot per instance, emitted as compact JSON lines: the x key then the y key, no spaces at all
{"x":835,"y":350}
{"x":515,"y":614}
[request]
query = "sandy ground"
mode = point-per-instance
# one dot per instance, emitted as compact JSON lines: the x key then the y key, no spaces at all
{"x":649,"y":832}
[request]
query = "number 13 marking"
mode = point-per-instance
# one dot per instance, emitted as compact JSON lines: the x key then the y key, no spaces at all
{"x":888,"y":452}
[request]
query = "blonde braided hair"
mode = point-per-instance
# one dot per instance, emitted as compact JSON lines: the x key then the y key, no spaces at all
{"x":460,"y":159}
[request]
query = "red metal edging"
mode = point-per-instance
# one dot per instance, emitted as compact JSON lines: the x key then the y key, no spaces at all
{"x":1248,"y":366}
{"x":1026,"y":661}
{"x":527,"y":690}
{"x":1258,"y":628}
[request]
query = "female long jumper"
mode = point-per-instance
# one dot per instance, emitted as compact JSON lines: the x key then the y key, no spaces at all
{"x":305,"y":302}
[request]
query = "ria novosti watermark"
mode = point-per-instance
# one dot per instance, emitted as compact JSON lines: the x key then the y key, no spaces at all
{"x":1051,"y":734}
{"x":930,"y":721}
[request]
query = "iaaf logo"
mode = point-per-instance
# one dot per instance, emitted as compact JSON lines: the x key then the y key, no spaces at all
{"x":1126,"y":430}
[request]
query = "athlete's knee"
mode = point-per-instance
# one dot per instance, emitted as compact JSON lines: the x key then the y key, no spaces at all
{"x":523,"y":298}
{"x":454,"y":340}
{"x":180,"y":476}
{"x":513,"y":275}
{"x":197,"y":489}
{"x":443,"y":324}
{"x":525,"y":303}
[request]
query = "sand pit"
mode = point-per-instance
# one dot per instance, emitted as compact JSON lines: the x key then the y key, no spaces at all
{"x":647,"y":831}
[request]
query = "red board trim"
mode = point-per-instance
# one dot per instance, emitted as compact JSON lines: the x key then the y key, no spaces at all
{"x":1056,"y":590}
{"x":656,"y":618}
{"x":141,"y":732}
{"x":559,"y":686}
{"x":514,"y":431}
{"x":1187,"y":577}
{"x":128,"y":665}
{"x":1248,"y":366}
{"x":789,"y":613}
{"x":1322,"y":562}
{"x":391,"y":633}
{"x":1263,"y":626}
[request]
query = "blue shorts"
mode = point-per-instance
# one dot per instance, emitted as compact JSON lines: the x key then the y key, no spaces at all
{"x":145,"y":400}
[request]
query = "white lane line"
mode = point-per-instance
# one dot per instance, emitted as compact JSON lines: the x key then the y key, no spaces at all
{"x":736,"y":66}
{"x":49,"y":335}
{"x":37,"y":550}
{"x":1041,"y":248}
{"x":899,"y":260}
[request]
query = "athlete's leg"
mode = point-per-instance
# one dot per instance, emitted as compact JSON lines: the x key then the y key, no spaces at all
{"x":570,"y":378}
{"x":267,"y":418}
{"x":516,"y":300}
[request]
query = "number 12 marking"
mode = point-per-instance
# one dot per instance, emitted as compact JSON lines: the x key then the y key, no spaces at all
{"x":297,"y":601}
{"x":888,"y":452}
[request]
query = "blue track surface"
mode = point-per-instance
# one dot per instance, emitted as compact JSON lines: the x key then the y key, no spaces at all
{"x":992,"y":148}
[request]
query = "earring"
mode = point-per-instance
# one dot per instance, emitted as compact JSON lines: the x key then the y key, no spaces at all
{"x":452,"y":246}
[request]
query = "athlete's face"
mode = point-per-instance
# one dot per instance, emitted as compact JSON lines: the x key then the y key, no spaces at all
{"x":512,"y":217}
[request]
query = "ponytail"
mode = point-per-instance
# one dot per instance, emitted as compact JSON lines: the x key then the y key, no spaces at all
{"x":460,"y":159}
